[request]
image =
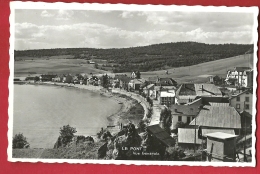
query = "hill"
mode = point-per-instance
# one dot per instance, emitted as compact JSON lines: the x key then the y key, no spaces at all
{"x":145,"y":58}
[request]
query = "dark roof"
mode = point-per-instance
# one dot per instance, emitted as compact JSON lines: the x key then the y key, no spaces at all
{"x":218,"y":117}
{"x":186,"y":89}
{"x":246,"y":114}
{"x":161,"y":135}
{"x":246,"y":91}
{"x":206,"y":89}
{"x":151,"y":86}
{"x":187,"y":110}
{"x":123,"y":78}
{"x":166,"y":82}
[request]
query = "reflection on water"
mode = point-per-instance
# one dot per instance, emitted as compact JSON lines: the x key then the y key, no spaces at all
{"x":39,"y":112}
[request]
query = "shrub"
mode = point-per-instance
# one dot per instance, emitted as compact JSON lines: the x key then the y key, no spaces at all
{"x":20,"y":141}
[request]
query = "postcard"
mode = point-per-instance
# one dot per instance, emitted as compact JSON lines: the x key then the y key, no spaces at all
{"x":132,"y":84}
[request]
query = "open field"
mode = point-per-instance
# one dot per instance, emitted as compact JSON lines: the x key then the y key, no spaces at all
{"x":199,"y":73}
{"x":196,"y":73}
{"x":55,"y":66}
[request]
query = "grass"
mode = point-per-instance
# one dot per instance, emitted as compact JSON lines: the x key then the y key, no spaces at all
{"x":55,"y":66}
{"x":196,"y":73}
{"x":79,"y":151}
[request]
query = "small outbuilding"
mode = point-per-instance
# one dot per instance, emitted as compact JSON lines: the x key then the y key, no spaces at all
{"x":221,"y":147}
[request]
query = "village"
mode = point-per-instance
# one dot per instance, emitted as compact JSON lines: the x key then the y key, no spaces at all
{"x":209,"y":121}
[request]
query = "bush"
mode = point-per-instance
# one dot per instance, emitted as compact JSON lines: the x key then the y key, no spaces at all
{"x":66,"y":134}
{"x":20,"y":141}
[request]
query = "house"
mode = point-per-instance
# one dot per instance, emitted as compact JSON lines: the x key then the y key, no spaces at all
{"x":133,"y":75}
{"x":122,"y":81}
{"x":166,"y":82}
{"x":47,"y":77}
{"x":218,"y":117}
{"x":240,"y":76}
{"x":185,"y":93}
{"x":216,"y":80}
{"x":189,"y":92}
{"x":135,"y":84}
{"x":57,"y":79}
{"x":149,"y":91}
{"x":166,"y":97}
{"x":67,"y":78}
{"x":242,"y":101}
{"x":185,"y":113}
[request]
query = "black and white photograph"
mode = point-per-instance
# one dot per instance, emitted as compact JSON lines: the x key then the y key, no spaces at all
{"x":132,"y":84}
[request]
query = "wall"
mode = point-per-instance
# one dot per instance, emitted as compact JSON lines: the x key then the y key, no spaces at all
{"x":234,"y":102}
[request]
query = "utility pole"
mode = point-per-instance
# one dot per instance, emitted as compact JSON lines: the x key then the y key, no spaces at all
{"x":245,"y":159}
{"x":195,"y":136}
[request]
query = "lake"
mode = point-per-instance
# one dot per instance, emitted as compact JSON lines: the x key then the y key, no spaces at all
{"x":40,"y":111}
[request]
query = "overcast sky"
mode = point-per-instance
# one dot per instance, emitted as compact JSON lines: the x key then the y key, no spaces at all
{"x":42,"y":29}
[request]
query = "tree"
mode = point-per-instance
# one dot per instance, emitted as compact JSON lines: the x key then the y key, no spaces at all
{"x":66,"y":134}
{"x":138,"y":75}
{"x":166,"y":119}
{"x":105,"y":81}
{"x":20,"y":141}
{"x":179,"y":124}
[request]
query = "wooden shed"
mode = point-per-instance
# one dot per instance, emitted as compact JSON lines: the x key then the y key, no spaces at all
{"x":221,"y":147}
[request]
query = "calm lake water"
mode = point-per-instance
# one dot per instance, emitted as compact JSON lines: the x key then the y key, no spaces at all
{"x":40,"y":111}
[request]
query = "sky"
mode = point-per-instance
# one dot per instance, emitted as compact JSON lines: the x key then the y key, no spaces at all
{"x":44,"y":29}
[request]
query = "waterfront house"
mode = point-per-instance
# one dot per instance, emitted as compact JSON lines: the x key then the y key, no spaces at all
{"x":218,"y":117}
{"x":242,"y":101}
{"x":57,"y":79}
{"x":47,"y":77}
{"x":135,"y":84}
{"x":122,"y":81}
{"x":67,"y":78}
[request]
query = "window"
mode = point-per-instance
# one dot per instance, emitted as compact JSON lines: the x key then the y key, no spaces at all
{"x":179,"y":118}
{"x":247,"y":106}
{"x":238,"y":98}
{"x":188,"y":119}
{"x":238,"y":106}
{"x":247,"y":99}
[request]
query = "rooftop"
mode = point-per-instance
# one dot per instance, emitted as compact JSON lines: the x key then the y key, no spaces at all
{"x":218,"y":117}
{"x":167,"y":94}
{"x":221,"y":135}
{"x":161,"y":135}
{"x":207,"y":90}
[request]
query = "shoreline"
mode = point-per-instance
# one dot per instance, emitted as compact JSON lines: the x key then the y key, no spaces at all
{"x":127,"y":100}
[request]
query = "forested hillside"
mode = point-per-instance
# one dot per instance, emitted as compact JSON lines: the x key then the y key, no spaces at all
{"x":146,"y":58}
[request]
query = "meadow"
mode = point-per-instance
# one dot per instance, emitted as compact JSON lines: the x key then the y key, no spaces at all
{"x":195,"y":73}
